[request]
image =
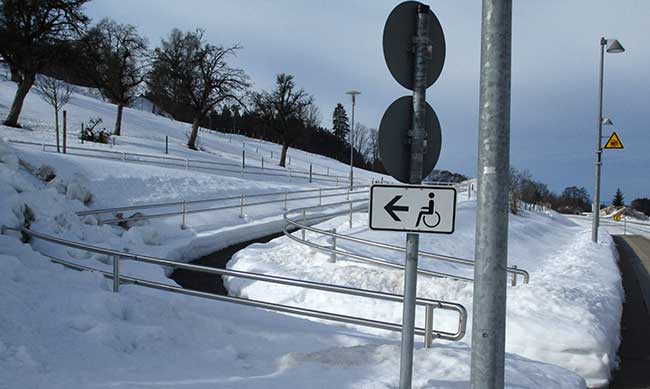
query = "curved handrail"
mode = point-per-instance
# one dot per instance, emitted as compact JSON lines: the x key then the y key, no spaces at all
{"x":513,"y":270}
{"x":429,"y":304}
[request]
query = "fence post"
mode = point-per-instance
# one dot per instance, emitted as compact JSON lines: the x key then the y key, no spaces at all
{"x":271,"y":154}
{"x":262,"y":163}
{"x":81,"y":134}
{"x":285,"y":199}
{"x":328,"y":171}
{"x":241,"y":206}
{"x":428,"y":325}
{"x":116,"y":273}
{"x":469,"y":192}
{"x":333,"y":253}
{"x":43,"y":146}
{"x":65,"y":131}
{"x":320,"y":196}
{"x":123,"y":156}
{"x":514,"y":276}
{"x":289,"y":160}
{"x":350,"y":214}
{"x":310,"y":173}
{"x":166,"y":144}
{"x":183,"y":212}
{"x":304,"y":220}
{"x":187,"y":163}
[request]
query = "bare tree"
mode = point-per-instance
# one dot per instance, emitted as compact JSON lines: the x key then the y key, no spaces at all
{"x":286,"y":110}
{"x":115,"y":62}
{"x":194,"y":73}
{"x":57,"y":94}
{"x":31,"y":35}
{"x":363,"y":139}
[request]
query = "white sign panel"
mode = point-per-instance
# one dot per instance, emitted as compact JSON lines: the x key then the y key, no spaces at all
{"x":413,"y":208}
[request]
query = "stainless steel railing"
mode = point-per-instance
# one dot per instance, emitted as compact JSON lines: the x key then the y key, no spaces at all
{"x":322,"y":193}
{"x":205,"y":165}
{"x":430,"y":305}
{"x":301,"y":214}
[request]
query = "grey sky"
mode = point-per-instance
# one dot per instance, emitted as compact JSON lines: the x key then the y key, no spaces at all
{"x":334,"y":46}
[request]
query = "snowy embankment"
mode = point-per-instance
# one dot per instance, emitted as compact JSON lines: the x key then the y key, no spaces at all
{"x":569,"y":314}
{"x":66,"y":329}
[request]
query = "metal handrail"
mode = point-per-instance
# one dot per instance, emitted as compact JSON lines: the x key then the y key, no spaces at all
{"x":188,"y":202}
{"x":428,"y":332}
{"x":512,"y":270}
{"x":236,"y":167}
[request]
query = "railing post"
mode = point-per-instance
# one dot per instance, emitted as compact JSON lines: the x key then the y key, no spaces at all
{"x":187,"y":164}
{"x":428,"y":326}
{"x":328,"y":171}
{"x":320,"y":196}
{"x":333,"y":254}
{"x":81,"y":134}
{"x":43,"y":146}
{"x":183,"y":212}
{"x":514,"y":276}
{"x":166,"y":144}
{"x":310,"y":173}
{"x":350,"y":214}
{"x":123,"y":156}
{"x":262,"y":163}
{"x":241,"y":206}
{"x":469,"y":192}
{"x":243,"y":159}
{"x":286,"y":194}
{"x":116,"y":273}
{"x":304,"y":220}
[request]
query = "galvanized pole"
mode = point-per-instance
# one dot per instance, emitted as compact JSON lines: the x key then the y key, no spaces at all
{"x":491,"y":250}
{"x":413,"y":240}
{"x":354,"y":94}
{"x":595,"y":207}
{"x":65,"y":132}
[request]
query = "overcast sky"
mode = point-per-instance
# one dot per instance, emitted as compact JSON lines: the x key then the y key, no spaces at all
{"x":334,"y":46}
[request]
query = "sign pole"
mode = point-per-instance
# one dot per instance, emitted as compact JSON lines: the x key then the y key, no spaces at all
{"x":491,"y":250}
{"x":421,"y":44}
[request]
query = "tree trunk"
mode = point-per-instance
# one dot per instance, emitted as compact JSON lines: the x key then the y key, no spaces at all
{"x":118,"y":120}
{"x":23,"y":88}
{"x":56,"y":127}
{"x":195,"y":133}
{"x":283,"y":155}
{"x":15,"y":74}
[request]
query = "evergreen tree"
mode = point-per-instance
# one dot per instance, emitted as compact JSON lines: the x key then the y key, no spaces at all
{"x":340,"y":123}
{"x":618,"y":198}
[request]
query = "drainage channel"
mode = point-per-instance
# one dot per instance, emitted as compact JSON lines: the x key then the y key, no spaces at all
{"x":213,"y":283}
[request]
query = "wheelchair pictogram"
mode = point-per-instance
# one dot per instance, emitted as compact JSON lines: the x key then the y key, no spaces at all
{"x":428,"y":211}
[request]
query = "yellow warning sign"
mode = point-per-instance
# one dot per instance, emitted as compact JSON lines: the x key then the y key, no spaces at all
{"x":614,"y":142}
{"x":617,"y":217}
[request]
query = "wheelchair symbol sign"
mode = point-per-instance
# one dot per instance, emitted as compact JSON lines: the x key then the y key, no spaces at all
{"x":413,"y":208}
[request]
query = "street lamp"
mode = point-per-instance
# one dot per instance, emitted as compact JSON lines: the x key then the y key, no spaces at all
{"x":613,"y":46}
{"x":354,"y":94}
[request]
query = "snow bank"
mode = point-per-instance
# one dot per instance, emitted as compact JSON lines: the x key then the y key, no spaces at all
{"x":62,"y":328}
{"x":568,"y":315}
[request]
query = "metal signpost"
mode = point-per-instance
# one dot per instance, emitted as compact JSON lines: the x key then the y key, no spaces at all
{"x":409,"y":138}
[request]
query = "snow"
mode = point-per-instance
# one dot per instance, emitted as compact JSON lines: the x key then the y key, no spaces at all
{"x":569,"y":314}
{"x":65,"y":329}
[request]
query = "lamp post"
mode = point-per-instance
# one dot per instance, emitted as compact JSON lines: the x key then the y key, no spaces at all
{"x":354,"y":94}
{"x":613,"y":46}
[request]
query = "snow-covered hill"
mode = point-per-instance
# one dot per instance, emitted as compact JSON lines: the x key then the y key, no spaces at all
{"x":65,"y":329}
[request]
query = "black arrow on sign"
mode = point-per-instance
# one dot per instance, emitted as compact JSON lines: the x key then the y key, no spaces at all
{"x":391,"y":208}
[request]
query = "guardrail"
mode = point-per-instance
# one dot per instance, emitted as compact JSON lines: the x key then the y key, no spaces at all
{"x":203,"y":165}
{"x":323,"y":193}
{"x":302,"y":214}
{"x":430,"y":305}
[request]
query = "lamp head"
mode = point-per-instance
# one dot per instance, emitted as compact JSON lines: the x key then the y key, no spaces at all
{"x":607,"y":122}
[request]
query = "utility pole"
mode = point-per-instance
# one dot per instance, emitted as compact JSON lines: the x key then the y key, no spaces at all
{"x":491,"y":250}
{"x":354,"y":94}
